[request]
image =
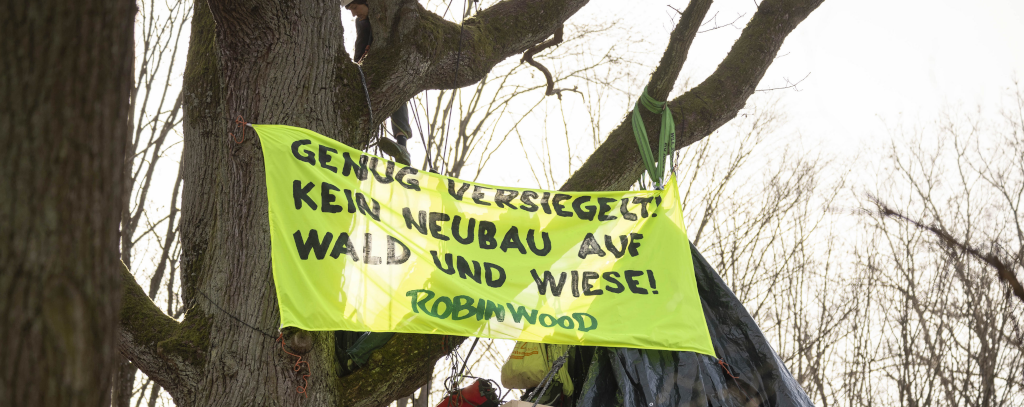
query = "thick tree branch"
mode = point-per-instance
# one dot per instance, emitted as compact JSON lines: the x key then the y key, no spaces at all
{"x":168,"y":352}
{"x":665,"y":75}
{"x":616,"y":164}
{"x":404,"y":364}
{"x":498,"y":32}
{"x":415,"y":50}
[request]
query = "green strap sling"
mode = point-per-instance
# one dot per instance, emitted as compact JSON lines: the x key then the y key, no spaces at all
{"x":667,"y":141}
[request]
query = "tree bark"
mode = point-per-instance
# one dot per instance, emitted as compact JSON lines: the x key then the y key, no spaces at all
{"x":63,"y":127}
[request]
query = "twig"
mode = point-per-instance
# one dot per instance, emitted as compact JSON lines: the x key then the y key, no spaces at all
{"x":788,"y":84}
{"x":714,"y":19}
{"x":528,"y":58}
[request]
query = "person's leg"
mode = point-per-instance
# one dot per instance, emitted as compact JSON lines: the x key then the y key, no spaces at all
{"x":400,"y":128}
{"x":353,"y":349}
{"x":400,"y":124}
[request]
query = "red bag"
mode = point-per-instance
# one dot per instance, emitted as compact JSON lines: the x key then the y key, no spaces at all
{"x":478,"y":394}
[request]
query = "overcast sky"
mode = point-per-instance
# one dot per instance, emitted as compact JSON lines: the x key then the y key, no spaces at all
{"x":875,"y":60}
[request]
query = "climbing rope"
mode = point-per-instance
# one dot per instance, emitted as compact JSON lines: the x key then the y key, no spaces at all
{"x":453,"y":382}
{"x":232,"y":316}
{"x":442,"y":143}
{"x":419,"y":127}
{"x":366,"y":91}
{"x":667,"y":140}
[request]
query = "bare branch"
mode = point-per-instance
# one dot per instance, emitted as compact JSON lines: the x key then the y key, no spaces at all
{"x":716,"y":26}
{"x":528,"y":58}
{"x":1003,"y":270}
{"x":789,"y":85}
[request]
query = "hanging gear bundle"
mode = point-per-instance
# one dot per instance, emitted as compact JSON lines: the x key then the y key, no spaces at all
{"x":540,"y":394}
{"x":530,"y":363}
{"x":479,"y":394}
{"x":525,"y":367}
{"x":666,"y":143}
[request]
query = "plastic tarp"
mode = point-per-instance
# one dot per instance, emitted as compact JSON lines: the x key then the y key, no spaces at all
{"x":613,"y":377}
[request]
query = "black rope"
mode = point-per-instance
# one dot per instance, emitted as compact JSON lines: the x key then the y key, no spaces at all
{"x":465,"y":363}
{"x":234,"y":317}
{"x":419,"y":128}
{"x":455,"y":360}
{"x":366,"y":91}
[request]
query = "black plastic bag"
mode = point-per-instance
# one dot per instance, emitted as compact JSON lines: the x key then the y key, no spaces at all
{"x":751,"y":373}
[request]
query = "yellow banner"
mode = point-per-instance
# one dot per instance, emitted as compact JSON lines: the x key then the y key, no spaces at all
{"x":361,"y":243}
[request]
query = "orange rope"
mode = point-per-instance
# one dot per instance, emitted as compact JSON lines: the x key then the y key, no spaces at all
{"x":725,"y":367}
{"x":298,"y":366}
{"x":239,"y":123}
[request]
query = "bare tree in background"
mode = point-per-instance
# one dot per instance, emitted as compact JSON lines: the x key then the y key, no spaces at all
{"x":604,"y":76}
{"x":149,"y":219}
{"x":759,"y":209}
{"x":949,"y":223}
{"x":464,"y":128}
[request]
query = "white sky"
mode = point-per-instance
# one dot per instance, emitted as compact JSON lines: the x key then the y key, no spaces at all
{"x":879,"y":59}
{"x":875,"y":60}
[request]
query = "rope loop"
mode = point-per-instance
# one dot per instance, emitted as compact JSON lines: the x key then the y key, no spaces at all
{"x":656,"y":167}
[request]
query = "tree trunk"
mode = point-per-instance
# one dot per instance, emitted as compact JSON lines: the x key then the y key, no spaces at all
{"x":283,"y":62}
{"x":63,"y":125}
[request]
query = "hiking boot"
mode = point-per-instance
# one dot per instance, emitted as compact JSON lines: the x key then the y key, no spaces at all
{"x":346,"y":365}
{"x":397,"y":151}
